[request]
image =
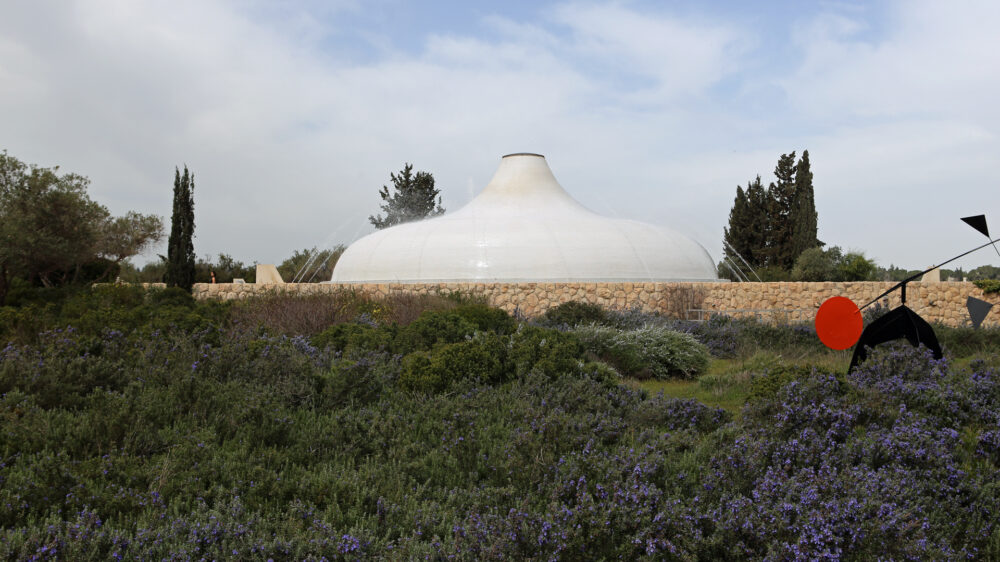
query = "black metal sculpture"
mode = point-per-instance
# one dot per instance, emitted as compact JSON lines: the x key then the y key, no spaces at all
{"x":902,"y":323}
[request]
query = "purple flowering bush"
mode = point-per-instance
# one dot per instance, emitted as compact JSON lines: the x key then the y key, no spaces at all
{"x":203,"y":443}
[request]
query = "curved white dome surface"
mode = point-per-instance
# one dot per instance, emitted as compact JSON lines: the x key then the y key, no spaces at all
{"x":523,"y":227}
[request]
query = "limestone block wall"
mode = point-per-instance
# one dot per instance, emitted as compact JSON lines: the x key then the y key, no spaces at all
{"x":935,"y":302}
{"x":781,"y":302}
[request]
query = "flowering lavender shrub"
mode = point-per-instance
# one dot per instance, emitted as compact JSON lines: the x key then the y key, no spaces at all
{"x":194,"y":443}
{"x":989,"y":445}
{"x":675,"y":414}
{"x":915,"y":378}
{"x":720,"y":334}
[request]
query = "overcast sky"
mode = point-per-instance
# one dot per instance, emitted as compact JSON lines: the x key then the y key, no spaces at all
{"x":292,"y":114}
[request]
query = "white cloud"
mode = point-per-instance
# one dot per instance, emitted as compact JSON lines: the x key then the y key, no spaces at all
{"x":936,"y":59}
{"x":648,"y":58}
{"x":290,"y":134}
{"x":908,"y":121}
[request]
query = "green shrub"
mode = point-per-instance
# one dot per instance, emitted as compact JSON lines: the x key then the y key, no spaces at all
{"x":483,"y":358}
{"x":493,"y":358}
{"x":486,"y":318}
{"x":602,"y":372}
{"x":417,"y":373}
{"x":23,"y":293}
{"x":125,"y":308}
{"x":573,"y":313}
{"x":773,"y":273}
{"x":815,"y":264}
{"x":988,"y":286}
{"x":765,"y":384}
{"x":967,"y":341}
{"x":545,"y":351}
{"x":171,"y":296}
{"x":753,"y":335}
{"x":23,"y":324}
{"x":356,"y":381}
{"x":355,"y":338}
{"x":432,"y":328}
{"x":648,"y":352}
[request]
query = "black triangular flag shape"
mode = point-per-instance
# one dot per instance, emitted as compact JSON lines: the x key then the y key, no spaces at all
{"x":979,"y":223}
{"x":978,"y":309}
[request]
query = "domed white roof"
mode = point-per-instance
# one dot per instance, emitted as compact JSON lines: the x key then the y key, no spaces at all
{"x":523,"y":227}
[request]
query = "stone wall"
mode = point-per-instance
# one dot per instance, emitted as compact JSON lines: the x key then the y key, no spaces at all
{"x":935,"y":302}
{"x":781,"y":302}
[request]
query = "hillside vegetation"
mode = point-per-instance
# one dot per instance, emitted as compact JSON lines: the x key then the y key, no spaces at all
{"x":145,"y":425}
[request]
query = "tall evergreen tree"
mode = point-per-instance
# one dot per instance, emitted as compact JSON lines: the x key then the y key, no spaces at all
{"x":803,"y":219}
{"x":734,"y":236}
{"x":760,"y":226}
{"x":781,"y":195}
{"x":746,"y":232}
{"x":180,"y":246}
{"x":413,"y":199}
{"x":771,"y":227}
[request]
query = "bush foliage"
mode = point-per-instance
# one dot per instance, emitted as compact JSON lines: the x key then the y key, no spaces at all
{"x":647,"y":352}
{"x":988,"y":286}
{"x":213,"y":439}
{"x":573,"y":313}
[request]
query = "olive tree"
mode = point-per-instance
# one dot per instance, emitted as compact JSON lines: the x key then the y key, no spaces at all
{"x":50,"y":228}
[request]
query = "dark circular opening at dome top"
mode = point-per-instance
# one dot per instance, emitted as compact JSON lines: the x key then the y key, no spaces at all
{"x":523,"y":154}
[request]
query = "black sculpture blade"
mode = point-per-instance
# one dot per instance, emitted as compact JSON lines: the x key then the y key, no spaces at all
{"x":979,"y":223}
{"x":898,"y":323}
{"x":978,"y":309}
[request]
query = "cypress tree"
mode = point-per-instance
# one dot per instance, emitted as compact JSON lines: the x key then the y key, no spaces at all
{"x":781,"y":197}
{"x":174,"y":245}
{"x":760,"y":228}
{"x":735,"y":235}
{"x":803,"y":219}
{"x":189,"y":257}
{"x":180,"y":246}
{"x":771,"y":227}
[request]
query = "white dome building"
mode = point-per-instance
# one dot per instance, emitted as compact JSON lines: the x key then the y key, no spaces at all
{"x":523,"y":227}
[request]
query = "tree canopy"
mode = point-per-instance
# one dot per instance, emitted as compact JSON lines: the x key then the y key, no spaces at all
{"x":180,"y":246}
{"x":747,"y":232}
{"x":310,"y":265}
{"x":413,"y":198}
{"x":832,"y":264}
{"x":226,"y":269}
{"x":50,"y":228}
{"x":771,"y":227}
{"x":124,"y":237}
{"x":803,"y":218}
